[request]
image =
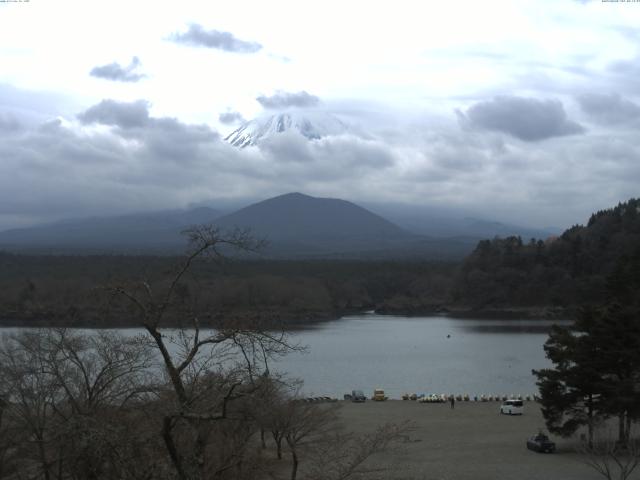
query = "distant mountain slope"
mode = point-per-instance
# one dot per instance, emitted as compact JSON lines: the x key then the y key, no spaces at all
{"x":451,"y":222}
{"x":309,"y":124}
{"x":472,"y":227}
{"x":300,"y":223}
{"x":152,"y":232}
{"x":296,"y":225}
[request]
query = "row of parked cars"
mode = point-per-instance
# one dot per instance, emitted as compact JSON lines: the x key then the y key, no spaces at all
{"x":358,"y":396}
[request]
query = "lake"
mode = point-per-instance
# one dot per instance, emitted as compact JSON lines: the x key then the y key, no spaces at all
{"x":435,"y":354}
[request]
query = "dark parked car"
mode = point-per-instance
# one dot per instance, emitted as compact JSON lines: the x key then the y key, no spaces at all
{"x":541,"y":443}
{"x":358,"y":396}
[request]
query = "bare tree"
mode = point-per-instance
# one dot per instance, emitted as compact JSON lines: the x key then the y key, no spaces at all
{"x":96,"y":371}
{"x":611,"y":458}
{"x":273,"y":413}
{"x":209,"y":371}
{"x":9,"y":435}
{"x":102,"y":377}
{"x":67,"y":398}
{"x":30,"y":397}
{"x":303,"y":423}
{"x":343,"y":455}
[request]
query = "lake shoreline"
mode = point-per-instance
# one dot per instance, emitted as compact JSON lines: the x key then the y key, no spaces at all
{"x":494,"y":313}
{"x":295,"y":320}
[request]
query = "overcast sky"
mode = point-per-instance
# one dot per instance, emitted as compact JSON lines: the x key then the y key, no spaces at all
{"x":521,"y":111}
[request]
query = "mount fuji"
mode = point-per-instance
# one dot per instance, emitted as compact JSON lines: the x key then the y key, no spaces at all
{"x":309,"y":124}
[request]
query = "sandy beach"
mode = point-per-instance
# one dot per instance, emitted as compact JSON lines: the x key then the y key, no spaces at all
{"x":471,"y":442}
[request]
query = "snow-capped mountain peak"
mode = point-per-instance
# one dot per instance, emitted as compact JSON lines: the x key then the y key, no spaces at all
{"x":312,"y":125}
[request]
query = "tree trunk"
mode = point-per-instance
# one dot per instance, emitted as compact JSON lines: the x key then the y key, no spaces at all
{"x":621,"y":429}
{"x":199,"y":449}
{"x":590,"y":421}
{"x":278,"y":439}
{"x":171,"y":369}
{"x":43,"y":458}
{"x":171,"y":447}
{"x":294,"y":464}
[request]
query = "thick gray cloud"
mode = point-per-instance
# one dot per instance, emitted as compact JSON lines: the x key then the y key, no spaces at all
{"x":528,"y":119}
{"x":62,"y":169}
{"x":113,"y":71}
{"x":197,"y":36}
{"x":9,"y":124}
{"x":609,"y":109}
{"x":624,"y":75}
{"x":327,"y":158}
{"x":121,"y":114}
{"x":280,"y":100}
{"x":626,"y":67}
{"x":230,"y":118}
{"x":165,"y":137}
{"x":65,"y":168}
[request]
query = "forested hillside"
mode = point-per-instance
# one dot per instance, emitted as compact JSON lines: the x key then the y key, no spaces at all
{"x":69,"y":290}
{"x":501,"y":276}
{"x":565,"y":271}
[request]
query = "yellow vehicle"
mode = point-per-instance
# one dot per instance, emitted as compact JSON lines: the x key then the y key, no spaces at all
{"x":378,"y":395}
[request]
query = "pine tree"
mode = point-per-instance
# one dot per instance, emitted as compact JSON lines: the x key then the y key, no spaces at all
{"x":596,"y":373}
{"x":571,"y":391}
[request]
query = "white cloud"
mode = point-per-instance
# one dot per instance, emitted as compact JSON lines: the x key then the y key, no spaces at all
{"x":119,"y":158}
{"x":114,"y":71}
{"x":197,"y":36}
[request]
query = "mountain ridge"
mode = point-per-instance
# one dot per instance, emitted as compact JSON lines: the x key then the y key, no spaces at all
{"x":295,"y":223}
{"x":156,"y":231}
{"x":296,"y":226}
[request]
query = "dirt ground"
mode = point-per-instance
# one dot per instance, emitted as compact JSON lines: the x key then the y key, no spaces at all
{"x":471,"y":442}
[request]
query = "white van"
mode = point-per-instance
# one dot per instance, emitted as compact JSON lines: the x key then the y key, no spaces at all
{"x":512,"y":407}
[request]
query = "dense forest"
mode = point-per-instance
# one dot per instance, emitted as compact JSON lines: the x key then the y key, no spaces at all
{"x":69,"y":290}
{"x":502,"y":275}
{"x":563,"y":272}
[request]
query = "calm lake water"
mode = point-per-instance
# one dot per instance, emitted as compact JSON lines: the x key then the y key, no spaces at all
{"x":435,"y":354}
{"x":419,"y":354}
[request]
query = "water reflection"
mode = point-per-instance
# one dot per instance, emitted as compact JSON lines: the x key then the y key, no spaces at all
{"x":436,"y":354}
{"x":508,"y":328}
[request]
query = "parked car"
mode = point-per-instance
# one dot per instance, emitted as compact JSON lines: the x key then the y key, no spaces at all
{"x":358,"y":396}
{"x":378,"y":395}
{"x":541,"y":443}
{"x":512,"y":407}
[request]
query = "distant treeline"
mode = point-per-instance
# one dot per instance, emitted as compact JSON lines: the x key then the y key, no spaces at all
{"x":70,"y":290}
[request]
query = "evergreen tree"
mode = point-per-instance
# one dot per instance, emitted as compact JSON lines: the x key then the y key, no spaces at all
{"x":596,"y":371}
{"x":571,"y":391}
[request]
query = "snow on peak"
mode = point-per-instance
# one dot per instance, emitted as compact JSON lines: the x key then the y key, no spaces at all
{"x":309,"y":124}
